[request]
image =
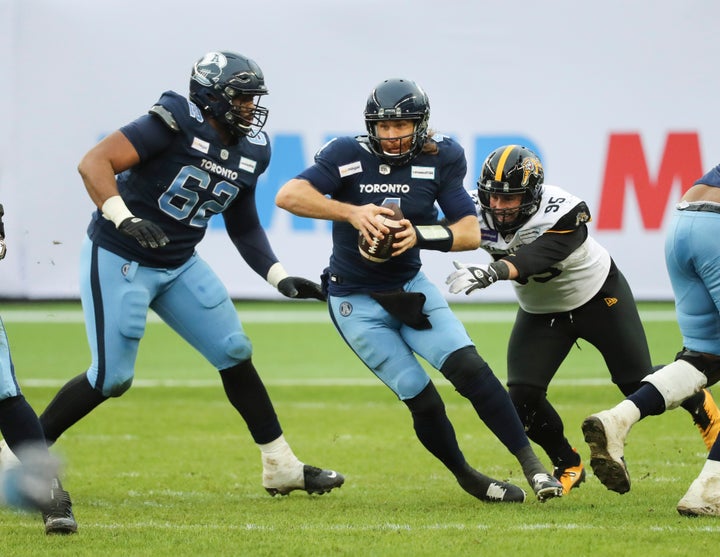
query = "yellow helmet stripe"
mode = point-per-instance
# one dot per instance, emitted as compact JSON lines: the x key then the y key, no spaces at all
{"x":501,"y":163}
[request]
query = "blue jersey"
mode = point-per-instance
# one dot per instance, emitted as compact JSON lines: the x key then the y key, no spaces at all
{"x":712,"y":178}
{"x":348,"y":171}
{"x":186,"y":174}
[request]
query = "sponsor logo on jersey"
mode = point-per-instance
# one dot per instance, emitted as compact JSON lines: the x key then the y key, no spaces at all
{"x":350,"y":169}
{"x":423,"y":172}
{"x":248,"y":165}
{"x":384,"y":188}
{"x":610,"y":301}
{"x":215,"y":168}
{"x":200,"y":145}
{"x":488,"y":235}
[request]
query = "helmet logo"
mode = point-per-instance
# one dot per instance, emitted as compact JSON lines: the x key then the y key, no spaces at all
{"x":530,"y":167}
{"x":208,"y":70}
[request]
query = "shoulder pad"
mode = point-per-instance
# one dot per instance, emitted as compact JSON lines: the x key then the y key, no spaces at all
{"x":166,"y":116}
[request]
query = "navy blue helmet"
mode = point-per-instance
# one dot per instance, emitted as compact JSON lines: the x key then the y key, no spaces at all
{"x":398,"y":99}
{"x":217,"y":78}
{"x":510,"y":170}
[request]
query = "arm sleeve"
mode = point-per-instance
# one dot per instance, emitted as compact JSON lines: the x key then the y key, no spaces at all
{"x":243,"y":226}
{"x":556,"y":244}
{"x":149,"y":135}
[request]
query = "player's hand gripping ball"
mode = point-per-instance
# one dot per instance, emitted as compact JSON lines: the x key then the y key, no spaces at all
{"x":381,"y":249}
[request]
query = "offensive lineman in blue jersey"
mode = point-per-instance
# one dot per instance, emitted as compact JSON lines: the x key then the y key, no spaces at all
{"x":185,"y":161}
{"x":32,"y":482}
{"x":389,"y":312}
{"x":691,"y":256}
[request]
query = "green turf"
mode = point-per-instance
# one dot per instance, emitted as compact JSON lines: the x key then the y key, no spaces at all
{"x":169,"y":468}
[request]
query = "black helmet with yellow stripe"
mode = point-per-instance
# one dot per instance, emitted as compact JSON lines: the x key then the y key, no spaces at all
{"x":510,"y":170}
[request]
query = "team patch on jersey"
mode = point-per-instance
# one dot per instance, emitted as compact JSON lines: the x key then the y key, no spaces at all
{"x":200,"y":145}
{"x":384,"y":169}
{"x":345,"y":309}
{"x":582,"y":217}
{"x":248,"y":165}
{"x":195,"y":111}
{"x":489,"y":235}
{"x":350,"y":169}
{"x":423,"y":172}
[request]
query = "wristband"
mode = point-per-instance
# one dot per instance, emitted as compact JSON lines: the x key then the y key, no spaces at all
{"x":435,"y":236}
{"x":276,"y":273}
{"x":114,"y":209}
{"x":501,"y":269}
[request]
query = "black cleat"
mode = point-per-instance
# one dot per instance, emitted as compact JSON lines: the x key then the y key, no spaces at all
{"x":487,"y":489}
{"x":315,"y":480}
{"x":58,"y":515}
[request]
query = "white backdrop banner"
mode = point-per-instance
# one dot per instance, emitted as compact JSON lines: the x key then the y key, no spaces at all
{"x":618,"y":98}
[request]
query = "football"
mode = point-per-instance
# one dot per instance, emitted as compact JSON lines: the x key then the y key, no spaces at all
{"x":380,"y":250}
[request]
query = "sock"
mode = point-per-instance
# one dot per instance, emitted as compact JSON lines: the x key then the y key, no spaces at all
{"x":19,"y":423}
{"x":75,"y":400}
{"x":246,"y":392}
{"x":628,"y":412}
{"x":710,"y":468}
{"x":530,"y":463}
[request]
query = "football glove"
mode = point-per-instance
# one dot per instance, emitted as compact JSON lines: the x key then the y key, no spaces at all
{"x":300,"y":288}
{"x":147,"y":233}
{"x":471,"y":277}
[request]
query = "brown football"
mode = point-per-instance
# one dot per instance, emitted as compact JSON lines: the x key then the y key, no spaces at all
{"x":380,"y":250}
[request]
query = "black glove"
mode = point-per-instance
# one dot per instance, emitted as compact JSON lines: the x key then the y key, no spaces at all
{"x":3,"y":247}
{"x":147,"y":233}
{"x":300,"y":288}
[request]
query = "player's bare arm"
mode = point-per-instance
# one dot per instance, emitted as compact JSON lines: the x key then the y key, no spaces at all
{"x":301,"y":198}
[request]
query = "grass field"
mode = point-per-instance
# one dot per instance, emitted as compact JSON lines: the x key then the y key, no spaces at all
{"x":169,"y":468}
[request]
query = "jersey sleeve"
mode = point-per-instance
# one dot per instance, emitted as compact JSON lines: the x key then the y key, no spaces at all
{"x":453,"y":199}
{"x":149,"y":135}
{"x":326,"y":174}
{"x":556,"y":244}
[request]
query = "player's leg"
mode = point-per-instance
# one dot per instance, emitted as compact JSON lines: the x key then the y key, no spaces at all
{"x":448,"y":348}
{"x":538,"y":345}
{"x":29,"y":474}
{"x":198,"y":307}
{"x":373,"y":334}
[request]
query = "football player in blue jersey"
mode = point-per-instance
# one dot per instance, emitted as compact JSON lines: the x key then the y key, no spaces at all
{"x":156,"y":182}
{"x":30,"y":482}
{"x":691,"y":257}
{"x":568,"y":288}
{"x":389,"y":313}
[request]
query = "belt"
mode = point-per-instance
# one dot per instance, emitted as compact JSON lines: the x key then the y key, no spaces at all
{"x":703,"y":207}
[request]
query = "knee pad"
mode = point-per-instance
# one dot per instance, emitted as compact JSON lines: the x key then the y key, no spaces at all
{"x":238,"y":347}
{"x":677,"y":381}
{"x":463,"y":368}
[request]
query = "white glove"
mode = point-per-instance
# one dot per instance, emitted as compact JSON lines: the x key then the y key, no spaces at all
{"x":470,"y":277}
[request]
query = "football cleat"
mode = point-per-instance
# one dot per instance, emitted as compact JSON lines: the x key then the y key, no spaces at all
{"x":702,"y":498}
{"x":606,"y":441}
{"x":314,"y":480}
{"x":546,"y":487}
{"x":707,"y":419}
{"x":487,"y":489}
{"x":58,"y":515}
{"x":570,"y":477}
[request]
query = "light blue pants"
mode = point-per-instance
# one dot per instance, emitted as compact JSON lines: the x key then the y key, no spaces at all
{"x":388,"y":347}
{"x":692,"y":256}
{"x":8,"y":383}
{"x":116,"y":294}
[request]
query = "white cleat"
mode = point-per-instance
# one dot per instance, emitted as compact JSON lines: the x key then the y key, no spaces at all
{"x":702,"y":498}
{"x":605,"y":435}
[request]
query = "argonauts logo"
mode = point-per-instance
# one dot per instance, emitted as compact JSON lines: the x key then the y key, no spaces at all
{"x":208,"y":70}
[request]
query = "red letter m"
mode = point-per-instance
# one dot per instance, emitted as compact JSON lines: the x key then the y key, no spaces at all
{"x":626,"y":167}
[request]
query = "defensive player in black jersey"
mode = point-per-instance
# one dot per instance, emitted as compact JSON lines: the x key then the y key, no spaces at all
{"x":568,"y":287}
{"x":157,"y":181}
{"x":389,"y":313}
{"x":30,"y":482}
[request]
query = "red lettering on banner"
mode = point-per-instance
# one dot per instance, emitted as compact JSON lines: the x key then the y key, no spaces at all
{"x":626,"y":167}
